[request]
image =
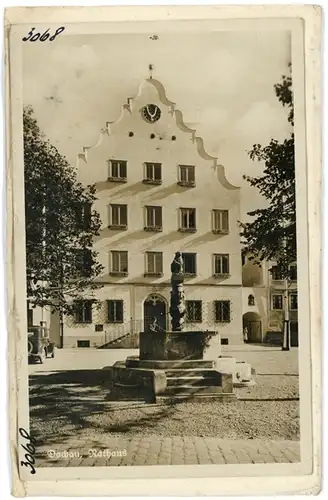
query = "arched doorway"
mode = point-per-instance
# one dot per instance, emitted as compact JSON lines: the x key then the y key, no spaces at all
{"x":155,"y":310}
{"x":252,"y":321}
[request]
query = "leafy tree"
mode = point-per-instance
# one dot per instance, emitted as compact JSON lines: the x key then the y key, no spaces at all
{"x":272,"y":233}
{"x":61,"y":265}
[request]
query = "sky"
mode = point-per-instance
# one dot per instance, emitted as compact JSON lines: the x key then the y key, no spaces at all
{"x":221,"y":81}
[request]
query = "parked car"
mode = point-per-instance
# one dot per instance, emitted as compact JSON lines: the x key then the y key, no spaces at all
{"x":39,"y":344}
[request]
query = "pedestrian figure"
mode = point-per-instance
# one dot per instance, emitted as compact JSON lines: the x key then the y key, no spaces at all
{"x":245,"y":334}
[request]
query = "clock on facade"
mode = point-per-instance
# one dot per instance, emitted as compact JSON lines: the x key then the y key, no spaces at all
{"x":151,"y":113}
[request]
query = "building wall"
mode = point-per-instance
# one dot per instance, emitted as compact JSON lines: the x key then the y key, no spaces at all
{"x":276,"y":316}
{"x":173,"y":144}
{"x":208,"y":194}
{"x":260,"y":308}
{"x":263,"y":289}
{"x":134,"y":297}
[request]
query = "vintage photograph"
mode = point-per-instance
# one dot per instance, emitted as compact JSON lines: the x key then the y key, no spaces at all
{"x":161,"y":251}
{"x":161,"y":242}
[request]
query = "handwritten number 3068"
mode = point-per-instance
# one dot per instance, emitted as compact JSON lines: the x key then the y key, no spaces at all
{"x":29,"y":448}
{"x":31,"y":37}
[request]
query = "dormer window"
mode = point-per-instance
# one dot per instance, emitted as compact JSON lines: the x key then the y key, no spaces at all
{"x":186,"y":176}
{"x":117,"y":170}
{"x":153,"y":173}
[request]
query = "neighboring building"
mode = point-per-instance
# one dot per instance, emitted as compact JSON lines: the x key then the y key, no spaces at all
{"x":276,"y":306}
{"x":159,"y":192}
{"x":264,"y":304}
{"x":255,"y":299}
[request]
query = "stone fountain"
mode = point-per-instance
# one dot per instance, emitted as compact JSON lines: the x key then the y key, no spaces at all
{"x":171,"y":364}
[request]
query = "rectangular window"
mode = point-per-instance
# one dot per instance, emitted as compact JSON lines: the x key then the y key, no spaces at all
{"x":293,"y":302}
{"x":153,"y":173}
{"x":277,"y":301}
{"x":83,"y":311}
{"x":117,"y":170}
{"x":222,"y":311}
{"x":115,"y":311}
{"x":194,"y":311}
{"x":188,"y":219}
{"x":186,"y":175}
{"x":118,"y":216}
{"x":276,"y":273}
{"x":189,"y":263}
{"x":153,"y":219}
{"x":119,"y":262}
{"x":293,"y":272}
{"x":220,"y":221}
{"x":221,"y":264}
{"x":83,"y":343}
{"x":154,"y":263}
{"x":83,"y":262}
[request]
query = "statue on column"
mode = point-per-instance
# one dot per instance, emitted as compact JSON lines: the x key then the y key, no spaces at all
{"x":178,"y":306}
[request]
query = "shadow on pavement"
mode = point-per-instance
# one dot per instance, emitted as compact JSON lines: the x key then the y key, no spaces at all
{"x":70,"y":402}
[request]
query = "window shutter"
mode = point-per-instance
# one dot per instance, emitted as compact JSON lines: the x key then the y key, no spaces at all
{"x":158,"y":216}
{"x":115,"y":262}
{"x":225,"y":266}
{"x":78,"y":312}
{"x":198,"y":311}
{"x":119,"y":310}
{"x":150,"y":258}
{"x":158,"y":172}
{"x":225,"y":220}
{"x":149,"y":216}
{"x":123,"y":170}
{"x":149,"y":171}
{"x":183,"y":174}
{"x":226,"y":310}
{"x":124,"y":262}
{"x":110,"y":310}
{"x":158,"y":265}
{"x":192,"y":218}
{"x":88,"y":311}
{"x":124,"y":215}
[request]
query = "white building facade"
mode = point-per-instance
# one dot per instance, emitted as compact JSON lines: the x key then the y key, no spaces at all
{"x":159,"y":192}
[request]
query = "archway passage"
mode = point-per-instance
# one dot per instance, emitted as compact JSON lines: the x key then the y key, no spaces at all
{"x":155,"y":313}
{"x":252,"y":321}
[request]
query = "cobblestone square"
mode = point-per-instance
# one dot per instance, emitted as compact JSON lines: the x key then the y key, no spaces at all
{"x":76,"y":424}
